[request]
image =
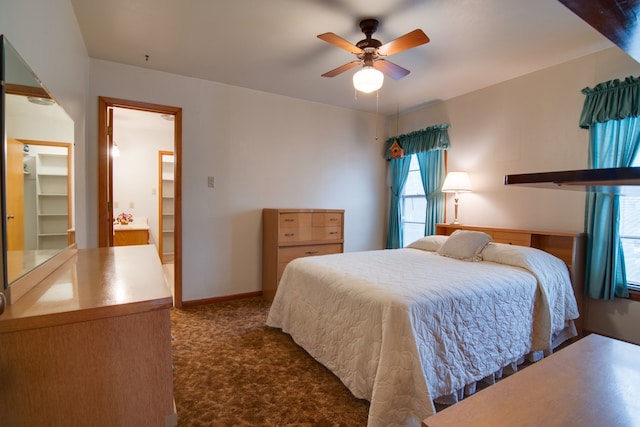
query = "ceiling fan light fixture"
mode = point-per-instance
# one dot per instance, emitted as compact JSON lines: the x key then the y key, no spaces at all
{"x":368,"y":80}
{"x":41,"y":101}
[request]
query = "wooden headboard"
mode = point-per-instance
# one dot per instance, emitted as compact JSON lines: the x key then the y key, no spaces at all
{"x":568,"y":246}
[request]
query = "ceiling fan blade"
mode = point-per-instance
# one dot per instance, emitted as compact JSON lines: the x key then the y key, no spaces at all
{"x":409,"y":40}
{"x":341,"y":69}
{"x":390,"y":69}
{"x":340,"y":42}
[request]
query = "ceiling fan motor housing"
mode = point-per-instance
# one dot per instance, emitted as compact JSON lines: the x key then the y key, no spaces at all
{"x":368,"y":27}
{"x":371,"y":43}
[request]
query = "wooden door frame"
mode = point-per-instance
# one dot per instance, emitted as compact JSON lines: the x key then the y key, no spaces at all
{"x":105,"y":215}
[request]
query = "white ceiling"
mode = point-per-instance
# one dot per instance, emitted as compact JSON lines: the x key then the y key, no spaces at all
{"x":272,"y":46}
{"x":145,"y":120}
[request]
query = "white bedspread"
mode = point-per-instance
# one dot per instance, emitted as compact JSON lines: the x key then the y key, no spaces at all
{"x":403,"y":327}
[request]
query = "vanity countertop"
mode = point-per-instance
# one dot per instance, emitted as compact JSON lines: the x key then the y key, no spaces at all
{"x":93,"y":284}
{"x":131,"y":226}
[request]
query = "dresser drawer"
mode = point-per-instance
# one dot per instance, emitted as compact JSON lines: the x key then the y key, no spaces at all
{"x":512,"y":238}
{"x":327,"y":219}
{"x":326,"y":233}
{"x":295,"y":220}
{"x":289,"y":235}
{"x":289,"y":253}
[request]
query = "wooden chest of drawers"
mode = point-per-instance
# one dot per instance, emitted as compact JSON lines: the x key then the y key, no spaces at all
{"x":293,"y":233}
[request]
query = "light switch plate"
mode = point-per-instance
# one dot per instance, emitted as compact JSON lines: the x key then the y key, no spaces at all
{"x":210,"y":182}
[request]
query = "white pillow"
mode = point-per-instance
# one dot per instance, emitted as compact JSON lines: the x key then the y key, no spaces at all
{"x":504,"y":253}
{"x":429,"y":243}
{"x":465,"y":245}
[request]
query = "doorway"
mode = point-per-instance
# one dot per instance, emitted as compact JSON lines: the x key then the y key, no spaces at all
{"x":106,"y":202}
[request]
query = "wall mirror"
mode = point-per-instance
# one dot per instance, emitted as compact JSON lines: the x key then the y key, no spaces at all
{"x":37,"y":170}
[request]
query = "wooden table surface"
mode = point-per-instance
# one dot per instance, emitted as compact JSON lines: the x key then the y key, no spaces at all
{"x":593,"y":382}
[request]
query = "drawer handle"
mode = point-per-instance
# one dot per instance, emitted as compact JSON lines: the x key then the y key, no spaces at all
{"x":333,"y":219}
{"x":333,"y":232}
{"x":290,"y":234}
{"x":311,"y":252}
{"x":289,"y":220}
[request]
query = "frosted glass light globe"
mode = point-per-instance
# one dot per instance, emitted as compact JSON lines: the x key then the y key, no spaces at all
{"x":368,"y":80}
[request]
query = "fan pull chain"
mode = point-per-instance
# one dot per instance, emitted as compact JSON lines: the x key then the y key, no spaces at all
{"x":377,"y":115}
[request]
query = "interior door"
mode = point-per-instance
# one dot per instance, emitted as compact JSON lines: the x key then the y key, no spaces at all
{"x":15,"y":195}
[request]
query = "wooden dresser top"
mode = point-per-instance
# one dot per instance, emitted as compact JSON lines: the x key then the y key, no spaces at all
{"x":93,"y":284}
{"x":303,"y":210}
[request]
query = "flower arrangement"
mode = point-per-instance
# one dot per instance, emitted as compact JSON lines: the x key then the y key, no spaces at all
{"x":124,"y":218}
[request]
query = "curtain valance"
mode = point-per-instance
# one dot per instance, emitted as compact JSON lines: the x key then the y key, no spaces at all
{"x":420,"y":141}
{"x":612,"y":100}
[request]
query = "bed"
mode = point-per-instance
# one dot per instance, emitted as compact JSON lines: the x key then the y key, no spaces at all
{"x":402,"y":328}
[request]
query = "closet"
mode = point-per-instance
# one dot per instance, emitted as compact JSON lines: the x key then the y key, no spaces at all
{"x":166,"y":205}
{"x":47,"y":184}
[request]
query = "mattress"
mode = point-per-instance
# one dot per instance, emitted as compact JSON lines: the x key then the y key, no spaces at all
{"x":403,"y":327}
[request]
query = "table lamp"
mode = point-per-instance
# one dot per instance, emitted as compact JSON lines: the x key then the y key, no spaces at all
{"x":456,"y":182}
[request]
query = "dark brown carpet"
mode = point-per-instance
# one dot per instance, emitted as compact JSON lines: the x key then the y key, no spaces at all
{"x":232,"y":370}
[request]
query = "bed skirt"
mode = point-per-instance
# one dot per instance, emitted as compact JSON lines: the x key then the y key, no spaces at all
{"x":567,"y":333}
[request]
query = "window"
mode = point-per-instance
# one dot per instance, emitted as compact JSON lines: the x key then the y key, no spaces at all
{"x":414,"y":205}
{"x":630,"y":236}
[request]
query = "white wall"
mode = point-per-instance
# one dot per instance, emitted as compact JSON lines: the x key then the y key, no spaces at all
{"x":529,"y":124}
{"x":264,"y":151}
{"x":47,"y":36}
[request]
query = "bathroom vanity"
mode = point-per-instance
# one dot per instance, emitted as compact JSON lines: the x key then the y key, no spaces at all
{"x":131,"y":234}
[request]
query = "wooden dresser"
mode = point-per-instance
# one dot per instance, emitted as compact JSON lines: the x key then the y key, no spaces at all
{"x":293,"y":233}
{"x":568,"y":246}
{"x":90,"y":344}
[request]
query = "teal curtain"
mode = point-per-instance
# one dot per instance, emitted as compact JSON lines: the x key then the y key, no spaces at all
{"x":399,"y":174}
{"x":431,"y":139}
{"x":432,"y":172}
{"x":610,"y":112}
{"x":612,"y":100}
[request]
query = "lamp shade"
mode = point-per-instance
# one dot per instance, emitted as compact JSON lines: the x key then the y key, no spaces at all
{"x":368,"y":80}
{"x":456,"y":182}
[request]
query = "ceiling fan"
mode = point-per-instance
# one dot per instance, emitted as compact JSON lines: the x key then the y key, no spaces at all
{"x":369,"y":52}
